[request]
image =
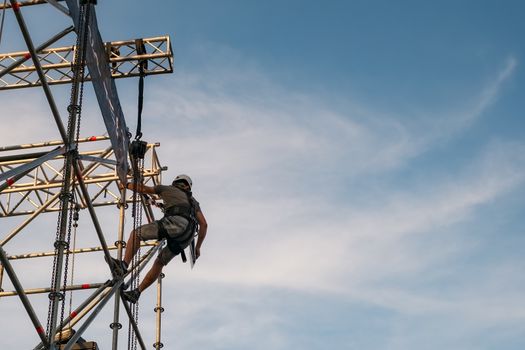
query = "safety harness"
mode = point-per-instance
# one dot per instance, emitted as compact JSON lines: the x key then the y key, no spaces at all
{"x":186,"y":211}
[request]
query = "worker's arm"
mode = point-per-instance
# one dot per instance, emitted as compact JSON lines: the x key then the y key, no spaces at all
{"x":203,"y":228}
{"x":141,"y":188}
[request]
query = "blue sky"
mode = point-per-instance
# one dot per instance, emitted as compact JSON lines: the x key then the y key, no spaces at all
{"x":361,"y":165}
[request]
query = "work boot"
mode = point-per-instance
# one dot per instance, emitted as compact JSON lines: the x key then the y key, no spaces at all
{"x":120,"y":266}
{"x":132,"y":296}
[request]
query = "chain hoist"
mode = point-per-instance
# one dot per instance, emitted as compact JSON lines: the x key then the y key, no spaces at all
{"x":68,"y":203}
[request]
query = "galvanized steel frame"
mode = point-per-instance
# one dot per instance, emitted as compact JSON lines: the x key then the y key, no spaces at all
{"x":56,"y":63}
{"x":31,"y":183}
{"x":38,"y":188}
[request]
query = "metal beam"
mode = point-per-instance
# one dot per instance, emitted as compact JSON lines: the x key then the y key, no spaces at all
{"x":53,"y":3}
{"x":47,"y":290}
{"x":56,"y":63}
{"x":36,"y":187}
{"x":59,"y":7}
{"x":92,"y":213}
{"x":158,"y":314}
{"x":118,"y":282}
{"x":134,"y":324}
{"x":92,"y":316}
{"x":18,"y":60}
{"x":50,"y":143}
{"x":33,"y":164}
{"x":28,"y":220}
{"x":120,"y":243}
{"x":22,"y":295}
{"x":38,"y":68}
{"x":76,"y":315}
{"x":26,"y":3}
{"x":76,"y":251}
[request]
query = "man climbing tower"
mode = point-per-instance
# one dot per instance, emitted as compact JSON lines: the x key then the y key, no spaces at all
{"x":182,"y":213}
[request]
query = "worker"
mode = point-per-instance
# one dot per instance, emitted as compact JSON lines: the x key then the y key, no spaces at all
{"x":182,"y":213}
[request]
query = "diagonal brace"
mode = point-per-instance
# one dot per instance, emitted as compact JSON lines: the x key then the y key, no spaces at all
{"x":31,"y":165}
{"x":22,"y":295}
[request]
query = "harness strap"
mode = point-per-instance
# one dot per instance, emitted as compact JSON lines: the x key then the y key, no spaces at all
{"x":185,"y":211}
{"x":178,"y":210}
{"x":143,"y":65}
{"x":173,"y":245}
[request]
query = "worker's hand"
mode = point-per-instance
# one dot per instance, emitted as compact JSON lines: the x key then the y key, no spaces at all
{"x":197,"y":252}
{"x":121,"y":185}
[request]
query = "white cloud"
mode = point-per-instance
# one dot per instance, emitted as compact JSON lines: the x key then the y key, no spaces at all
{"x":266,"y":163}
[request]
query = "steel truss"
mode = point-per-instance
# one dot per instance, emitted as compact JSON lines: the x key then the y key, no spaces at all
{"x":37,"y":191}
{"x":123,"y":57}
{"x":31,"y":175}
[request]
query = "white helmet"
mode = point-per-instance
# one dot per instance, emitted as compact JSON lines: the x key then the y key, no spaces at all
{"x":183,"y":177}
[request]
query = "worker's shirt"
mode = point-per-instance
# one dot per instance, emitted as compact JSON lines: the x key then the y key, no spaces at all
{"x":174,"y":196}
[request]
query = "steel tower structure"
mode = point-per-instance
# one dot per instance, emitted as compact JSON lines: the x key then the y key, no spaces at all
{"x":33,"y":181}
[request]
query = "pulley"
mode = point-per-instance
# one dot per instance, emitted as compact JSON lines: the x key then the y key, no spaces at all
{"x":138,"y":149}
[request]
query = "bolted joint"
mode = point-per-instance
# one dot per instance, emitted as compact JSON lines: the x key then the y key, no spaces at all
{"x":115,"y":325}
{"x":66,"y":195}
{"x":61,"y":244}
{"x":158,"y":308}
{"x":56,"y":295}
{"x":158,"y":345}
{"x":73,"y":151}
{"x":120,"y":243}
{"x":73,"y":108}
{"x":120,"y":204}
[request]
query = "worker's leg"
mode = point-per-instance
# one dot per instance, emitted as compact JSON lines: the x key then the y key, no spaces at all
{"x":152,"y":275}
{"x":162,"y":260}
{"x":165,"y":256}
{"x":145,"y":233}
{"x":133,"y":295}
{"x":131,"y":247}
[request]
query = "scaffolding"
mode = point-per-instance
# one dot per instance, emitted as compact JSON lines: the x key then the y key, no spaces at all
{"x":33,"y":181}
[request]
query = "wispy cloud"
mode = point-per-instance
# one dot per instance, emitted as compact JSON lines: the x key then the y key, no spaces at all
{"x":268,"y":169}
{"x":265,"y":126}
{"x":269,"y":166}
{"x":491,"y":92}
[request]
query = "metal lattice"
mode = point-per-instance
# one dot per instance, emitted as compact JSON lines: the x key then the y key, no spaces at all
{"x":38,"y":190}
{"x":17,"y":69}
{"x":31,"y":174}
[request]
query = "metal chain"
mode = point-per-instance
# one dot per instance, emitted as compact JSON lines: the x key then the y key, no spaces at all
{"x":74,"y":112}
{"x":137,"y":224}
{"x":66,"y":263}
{"x":53,"y":274}
{"x":138,"y":255}
{"x":75,"y":226}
